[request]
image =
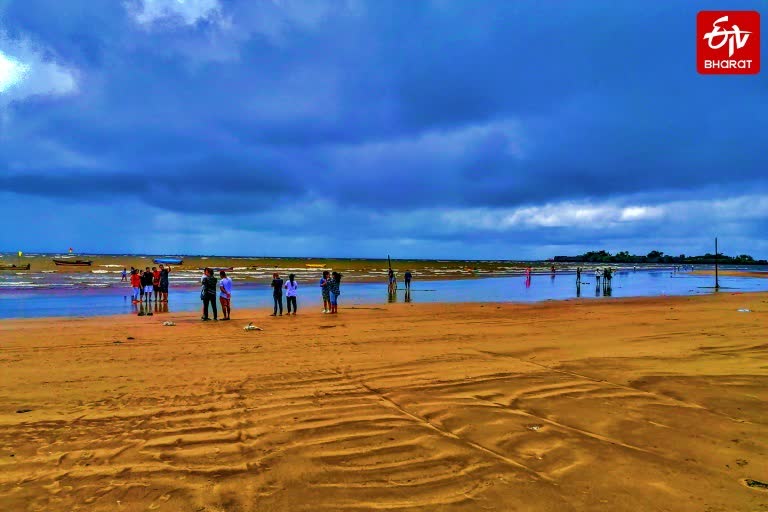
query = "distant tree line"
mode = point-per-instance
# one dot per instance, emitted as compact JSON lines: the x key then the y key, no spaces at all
{"x":658,"y":257}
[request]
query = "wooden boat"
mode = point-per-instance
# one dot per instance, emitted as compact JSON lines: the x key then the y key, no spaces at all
{"x":315,"y":265}
{"x":169,"y":261}
{"x":72,"y":263}
{"x":15,"y":267}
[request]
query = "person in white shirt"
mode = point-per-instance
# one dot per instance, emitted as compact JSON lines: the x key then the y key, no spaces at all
{"x":225,"y":297}
{"x":290,"y":295}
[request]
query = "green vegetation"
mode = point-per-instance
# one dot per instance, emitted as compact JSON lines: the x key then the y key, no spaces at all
{"x":659,"y":257}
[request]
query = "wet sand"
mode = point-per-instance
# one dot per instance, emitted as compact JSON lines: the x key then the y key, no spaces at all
{"x":617,"y":405}
{"x":730,"y":273}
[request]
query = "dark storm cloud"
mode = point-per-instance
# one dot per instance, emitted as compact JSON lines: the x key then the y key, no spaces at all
{"x":376,"y":107}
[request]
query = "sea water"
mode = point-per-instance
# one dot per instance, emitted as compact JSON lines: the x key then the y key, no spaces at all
{"x":100,"y":299}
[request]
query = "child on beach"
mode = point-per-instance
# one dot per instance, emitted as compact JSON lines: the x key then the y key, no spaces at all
{"x":335,"y":291}
{"x":225,"y":286}
{"x":277,"y":293}
{"x":290,"y":295}
{"x":325,"y":288}
{"x":124,"y":276}
{"x":136,"y":285}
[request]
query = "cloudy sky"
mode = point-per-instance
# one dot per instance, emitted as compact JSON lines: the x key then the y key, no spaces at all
{"x":425,"y":128}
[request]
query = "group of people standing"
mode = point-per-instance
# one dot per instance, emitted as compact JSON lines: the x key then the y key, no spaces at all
{"x":291,"y":288}
{"x":330,"y":287}
{"x":393,"y":280}
{"x":149,"y":282}
{"x":606,"y":274}
{"x":208,"y":294}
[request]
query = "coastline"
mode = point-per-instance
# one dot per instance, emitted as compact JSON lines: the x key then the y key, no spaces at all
{"x":249,"y":314}
{"x":731,"y":273}
{"x":544,"y":406}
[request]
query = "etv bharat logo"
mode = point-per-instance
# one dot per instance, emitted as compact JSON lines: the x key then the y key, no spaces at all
{"x":728,"y":42}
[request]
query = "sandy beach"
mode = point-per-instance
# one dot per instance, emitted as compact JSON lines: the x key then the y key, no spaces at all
{"x":731,"y":273}
{"x":612,"y":405}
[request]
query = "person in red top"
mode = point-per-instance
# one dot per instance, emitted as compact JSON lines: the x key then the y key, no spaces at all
{"x":156,"y":283}
{"x":135,"y":284}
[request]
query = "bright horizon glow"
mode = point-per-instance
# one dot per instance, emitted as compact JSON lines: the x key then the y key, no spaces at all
{"x":11,"y":72}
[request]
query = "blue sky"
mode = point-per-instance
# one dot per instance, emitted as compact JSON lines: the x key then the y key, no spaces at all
{"x":442,"y":128}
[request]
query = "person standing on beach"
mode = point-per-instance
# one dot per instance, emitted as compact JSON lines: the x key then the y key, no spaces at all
{"x":277,"y":293}
{"x":335,"y":291}
{"x":325,"y":288}
{"x":208,"y":295}
{"x":124,"y":276}
{"x":290,"y":295}
{"x":407,"y":278}
{"x":225,"y":287}
{"x":164,"y":282}
{"x":136,"y":285}
{"x":156,"y":283}
{"x":148,"y":277}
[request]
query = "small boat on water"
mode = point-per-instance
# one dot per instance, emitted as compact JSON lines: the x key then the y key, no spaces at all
{"x":15,"y":267}
{"x":72,"y":263}
{"x":169,"y":261}
{"x":314,"y":265}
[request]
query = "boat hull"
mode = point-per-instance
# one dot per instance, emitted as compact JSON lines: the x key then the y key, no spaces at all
{"x":73,"y":263}
{"x":15,"y":267}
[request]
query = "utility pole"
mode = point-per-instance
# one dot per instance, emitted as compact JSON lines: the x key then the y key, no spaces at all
{"x":717,"y":280}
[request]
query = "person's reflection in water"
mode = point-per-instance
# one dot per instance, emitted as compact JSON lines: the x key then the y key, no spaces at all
{"x":528,"y":281}
{"x":578,"y":289}
{"x":391,"y":294}
{"x":408,"y":294}
{"x":145,"y":309}
{"x":597,"y":289}
{"x":161,"y":307}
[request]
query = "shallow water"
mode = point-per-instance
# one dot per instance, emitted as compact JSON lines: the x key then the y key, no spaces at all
{"x":185,"y":296}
